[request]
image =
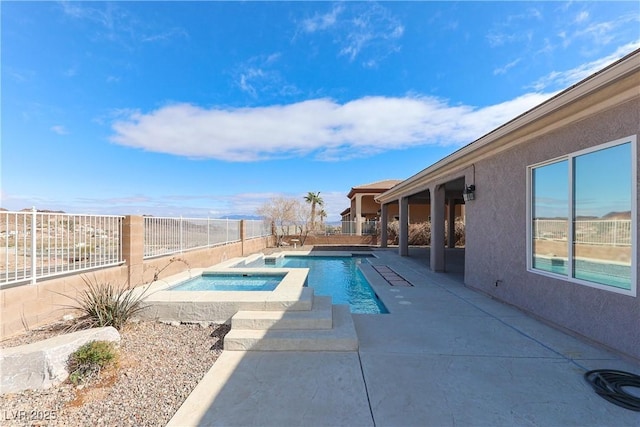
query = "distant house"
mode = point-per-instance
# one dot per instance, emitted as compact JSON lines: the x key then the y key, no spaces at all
{"x":363,"y":207}
{"x":551,"y":203}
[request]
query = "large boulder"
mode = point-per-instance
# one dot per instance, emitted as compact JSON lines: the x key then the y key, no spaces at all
{"x":43,"y":364}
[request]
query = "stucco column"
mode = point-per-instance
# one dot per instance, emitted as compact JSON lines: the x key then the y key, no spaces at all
{"x":384,"y":219}
{"x":451,"y":224}
{"x":133,"y":248}
{"x":403,"y":238}
{"x":358,"y":215}
{"x":437,"y":228}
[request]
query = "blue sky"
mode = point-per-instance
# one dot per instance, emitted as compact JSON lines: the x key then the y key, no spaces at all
{"x":211,"y":108}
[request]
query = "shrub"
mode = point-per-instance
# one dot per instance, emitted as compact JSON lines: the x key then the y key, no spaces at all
{"x":393,"y":232}
{"x":460,"y":232}
{"x":420,"y":234}
{"x":105,"y":304}
{"x":86,"y":362}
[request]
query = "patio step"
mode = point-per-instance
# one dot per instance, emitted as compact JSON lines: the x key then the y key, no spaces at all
{"x":319,"y":317}
{"x":341,"y":337}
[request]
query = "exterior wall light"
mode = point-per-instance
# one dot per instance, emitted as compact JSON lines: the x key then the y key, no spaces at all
{"x":469,"y":193}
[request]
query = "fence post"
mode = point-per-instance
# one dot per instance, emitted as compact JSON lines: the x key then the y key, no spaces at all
{"x":133,"y":248}
{"x":180,"y":233}
{"x":242,"y":234}
{"x":34,"y":261}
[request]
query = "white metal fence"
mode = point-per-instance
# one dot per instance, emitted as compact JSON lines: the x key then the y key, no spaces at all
{"x":164,"y":236}
{"x":256,"y":228}
{"x":591,"y":232}
{"x":36,"y":245}
{"x":367,"y":227}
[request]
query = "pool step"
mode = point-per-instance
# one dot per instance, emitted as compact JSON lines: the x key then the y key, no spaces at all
{"x":299,"y":300}
{"x":341,"y":337}
{"x":319,"y":317}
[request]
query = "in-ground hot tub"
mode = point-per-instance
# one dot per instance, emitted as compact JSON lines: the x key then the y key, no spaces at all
{"x":217,"y":302}
{"x":223,"y":281}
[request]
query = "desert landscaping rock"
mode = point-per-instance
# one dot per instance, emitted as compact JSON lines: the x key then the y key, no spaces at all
{"x":159,"y":366}
{"x":43,"y":364}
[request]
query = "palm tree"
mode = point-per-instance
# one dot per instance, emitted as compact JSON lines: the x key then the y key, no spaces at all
{"x":322,"y":214}
{"x":315,"y":200}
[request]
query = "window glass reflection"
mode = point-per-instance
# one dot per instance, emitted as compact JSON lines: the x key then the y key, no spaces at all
{"x":602,"y":216}
{"x":549,"y":214}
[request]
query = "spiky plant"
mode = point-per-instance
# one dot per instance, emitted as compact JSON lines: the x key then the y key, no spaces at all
{"x":105,"y":304}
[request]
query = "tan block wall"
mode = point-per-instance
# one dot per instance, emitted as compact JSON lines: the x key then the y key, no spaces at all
{"x":341,"y":240}
{"x":133,"y":247}
{"x":28,"y":306}
{"x":253,"y":246}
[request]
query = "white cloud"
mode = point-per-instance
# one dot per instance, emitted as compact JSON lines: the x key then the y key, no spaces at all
{"x":511,"y":29}
{"x":322,"y":21}
{"x":165,"y":35}
{"x":320,"y":127}
{"x":112,"y":22}
{"x":247,"y":77}
{"x":362,"y":29}
{"x":71,"y":71}
{"x":259,"y":75}
{"x":59,"y":129}
{"x":582,"y":16}
{"x":557,"y":79}
{"x":507,"y":67}
{"x":593,"y":34}
{"x":372,"y":29}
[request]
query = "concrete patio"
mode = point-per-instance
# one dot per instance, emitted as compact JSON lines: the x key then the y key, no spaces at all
{"x":445,"y":355}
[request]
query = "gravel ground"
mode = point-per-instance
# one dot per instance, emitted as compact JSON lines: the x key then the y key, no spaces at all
{"x":159,"y":366}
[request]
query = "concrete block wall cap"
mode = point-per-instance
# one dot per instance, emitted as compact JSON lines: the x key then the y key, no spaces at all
{"x":43,"y":364}
{"x":107,"y":333}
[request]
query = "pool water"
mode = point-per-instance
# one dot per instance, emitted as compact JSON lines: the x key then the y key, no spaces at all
{"x":337,"y":277}
{"x":601,"y":273}
{"x":230,"y":282}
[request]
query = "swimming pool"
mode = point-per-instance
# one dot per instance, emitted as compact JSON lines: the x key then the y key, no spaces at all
{"x":230,"y":282}
{"x":334,"y":276}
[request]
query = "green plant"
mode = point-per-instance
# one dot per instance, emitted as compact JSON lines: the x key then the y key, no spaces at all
{"x":105,"y":304}
{"x":158,"y":271}
{"x":86,"y":362}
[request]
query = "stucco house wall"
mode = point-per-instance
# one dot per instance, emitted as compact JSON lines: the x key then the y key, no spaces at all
{"x":496,"y":239}
{"x":369,"y":207}
{"x":419,"y":213}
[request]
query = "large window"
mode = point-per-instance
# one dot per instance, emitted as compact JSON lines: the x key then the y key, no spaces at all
{"x":582,"y":217}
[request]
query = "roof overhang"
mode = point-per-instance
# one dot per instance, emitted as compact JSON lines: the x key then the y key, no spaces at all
{"x":373,"y":188}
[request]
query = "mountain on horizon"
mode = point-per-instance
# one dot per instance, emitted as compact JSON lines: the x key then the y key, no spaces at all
{"x":249,"y":217}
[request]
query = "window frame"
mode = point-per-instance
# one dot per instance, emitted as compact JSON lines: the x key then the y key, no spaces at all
{"x":632,"y":139}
